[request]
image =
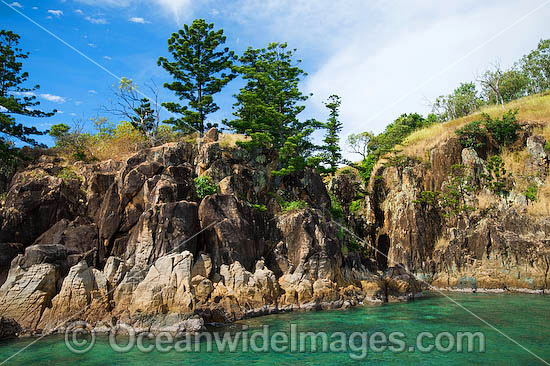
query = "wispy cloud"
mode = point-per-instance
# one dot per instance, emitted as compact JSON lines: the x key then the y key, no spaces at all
{"x":53,"y":98}
{"x":178,"y":9}
{"x":92,"y":45}
{"x":15,"y":4}
{"x":139,"y":20}
{"x":78,"y":11}
{"x":35,"y":8}
{"x":92,"y":91}
{"x":108,"y":58}
{"x":96,"y":20}
{"x":56,"y":13}
{"x":78,"y":102}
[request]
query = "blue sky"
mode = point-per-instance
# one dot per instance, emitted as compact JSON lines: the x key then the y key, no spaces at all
{"x":384,"y":58}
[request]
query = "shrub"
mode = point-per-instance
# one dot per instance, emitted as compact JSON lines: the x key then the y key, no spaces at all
{"x":532,"y":192}
{"x":67,"y":174}
{"x":498,"y":180}
{"x":504,"y":130}
{"x":204,"y":186}
{"x":261,"y":208}
{"x":472,"y":135}
{"x":293,"y":205}
{"x":355,"y":206}
{"x":335,"y":207}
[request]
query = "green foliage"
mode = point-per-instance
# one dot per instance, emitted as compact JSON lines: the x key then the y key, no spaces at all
{"x":503,"y":130}
{"x":497,"y":180}
{"x":472,"y":135}
{"x":428,"y":198}
{"x":393,"y":135}
{"x":3,"y":197}
{"x":293,"y":205}
{"x":331,"y":156}
{"x":15,"y":100}
{"x":355,"y":206}
{"x":335,"y":207}
{"x":361,"y":143}
{"x":532,"y":192}
{"x":204,"y":186}
{"x":463,"y":101}
{"x":261,"y":208}
{"x":536,"y":65}
{"x":547,"y":146}
{"x":59,"y":131}
{"x":268,"y":105}
{"x":454,"y":197}
{"x":200,"y":70}
{"x":67,"y":173}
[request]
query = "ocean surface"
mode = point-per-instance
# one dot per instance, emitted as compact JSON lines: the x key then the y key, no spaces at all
{"x":354,"y":337}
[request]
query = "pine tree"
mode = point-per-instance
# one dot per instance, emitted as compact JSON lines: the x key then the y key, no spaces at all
{"x":332,"y":155}
{"x":268,"y":105}
{"x":15,"y":100}
{"x":199,"y":71}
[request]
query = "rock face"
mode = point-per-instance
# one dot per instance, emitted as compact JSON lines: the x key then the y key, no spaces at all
{"x":8,"y":328}
{"x":503,"y":247}
{"x":130,"y":241}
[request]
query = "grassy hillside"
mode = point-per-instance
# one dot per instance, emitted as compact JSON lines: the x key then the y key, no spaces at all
{"x":534,"y":108}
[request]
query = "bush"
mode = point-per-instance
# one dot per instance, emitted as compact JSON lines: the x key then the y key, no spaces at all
{"x":335,"y":207}
{"x":261,"y":208}
{"x":293,"y":205}
{"x":532,"y":192}
{"x":204,"y":186}
{"x":498,"y":180}
{"x":355,"y":206}
{"x":472,"y":135}
{"x":504,"y":130}
{"x":67,"y":174}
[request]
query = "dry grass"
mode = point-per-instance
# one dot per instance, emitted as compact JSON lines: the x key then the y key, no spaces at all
{"x":441,"y":244}
{"x":534,"y":108}
{"x":541,"y":207}
{"x":229,"y":140}
{"x":514,"y":162}
{"x":485,"y":200}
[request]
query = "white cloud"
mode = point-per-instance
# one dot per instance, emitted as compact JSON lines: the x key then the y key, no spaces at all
{"x":177,"y":9}
{"x":73,"y":114}
{"x":96,"y":20}
{"x":60,"y":112}
{"x":56,"y":13}
{"x":53,"y":98}
{"x":35,"y":8}
{"x":15,"y":4}
{"x":3,"y":109}
{"x":78,"y":11}
{"x":77,"y":103}
{"x":108,"y":58}
{"x":92,"y":45}
{"x":138,"y":20}
{"x":91,"y":91}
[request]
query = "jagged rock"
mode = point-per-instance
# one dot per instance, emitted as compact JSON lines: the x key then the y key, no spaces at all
{"x":161,"y":229}
{"x":345,"y":187}
{"x":236,"y":232}
{"x":55,"y":254}
{"x":35,"y":202}
{"x":8,"y":251}
{"x":83,"y":294}
{"x":27,"y":292}
{"x":115,"y":270}
{"x":9,"y":328}
{"x":312,"y":245}
{"x":540,"y":159}
{"x":167,"y":286}
{"x":203,"y":266}
{"x":211,"y":135}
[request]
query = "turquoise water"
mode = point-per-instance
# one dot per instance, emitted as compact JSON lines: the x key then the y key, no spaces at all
{"x":524,"y":318}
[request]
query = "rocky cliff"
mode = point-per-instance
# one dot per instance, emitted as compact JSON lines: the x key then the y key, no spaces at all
{"x":505,"y":245}
{"x":130,"y":241}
